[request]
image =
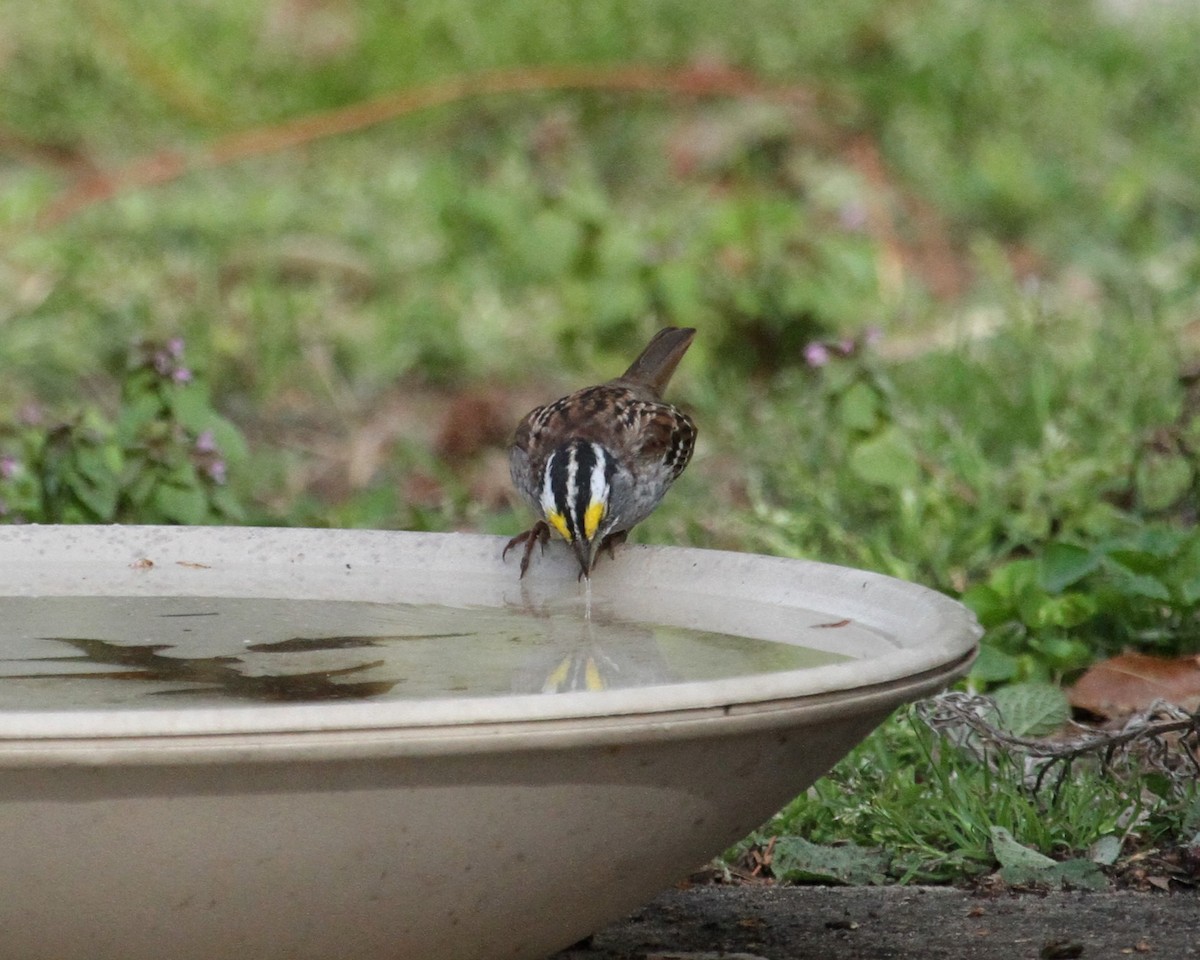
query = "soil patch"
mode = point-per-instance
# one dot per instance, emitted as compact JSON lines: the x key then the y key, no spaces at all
{"x":900,"y":923}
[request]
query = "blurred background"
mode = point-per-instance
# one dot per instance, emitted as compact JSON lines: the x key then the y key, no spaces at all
{"x":308,"y":261}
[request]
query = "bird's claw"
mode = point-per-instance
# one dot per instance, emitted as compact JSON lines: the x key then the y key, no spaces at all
{"x":614,"y":540}
{"x":538,"y":533}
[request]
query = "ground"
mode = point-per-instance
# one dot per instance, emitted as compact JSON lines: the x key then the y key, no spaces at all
{"x":900,"y":923}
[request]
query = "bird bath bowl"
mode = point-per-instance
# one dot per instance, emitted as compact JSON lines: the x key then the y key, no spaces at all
{"x":355,"y":745}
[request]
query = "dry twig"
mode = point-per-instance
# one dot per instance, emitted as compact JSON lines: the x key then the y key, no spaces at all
{"x":1164,"y":738}
{"x":704,"y":81}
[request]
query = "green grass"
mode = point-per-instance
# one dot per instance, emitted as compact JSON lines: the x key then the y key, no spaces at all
{"x":1007,"y":193}
{"x":931,"y":808}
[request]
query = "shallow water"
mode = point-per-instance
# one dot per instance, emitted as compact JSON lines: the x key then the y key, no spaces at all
{"x":88,"y":652}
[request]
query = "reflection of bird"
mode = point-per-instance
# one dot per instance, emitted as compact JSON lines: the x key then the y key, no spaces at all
{"x":597,"y":462}
{"x":625,"y":655}
{"x":580,"y":671}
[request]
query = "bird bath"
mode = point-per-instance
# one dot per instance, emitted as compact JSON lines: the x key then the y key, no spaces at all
{"x":354,"y":745}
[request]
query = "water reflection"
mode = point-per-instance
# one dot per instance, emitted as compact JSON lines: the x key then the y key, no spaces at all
{"x":579,"y":661}
{"x":207,"y":676}
{"x":77,"y":652}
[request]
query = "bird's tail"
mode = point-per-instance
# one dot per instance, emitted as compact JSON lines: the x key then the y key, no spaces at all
{"x":655,"y":365}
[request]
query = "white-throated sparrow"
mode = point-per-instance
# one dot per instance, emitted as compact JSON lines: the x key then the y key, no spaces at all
{"x":597,"y":462}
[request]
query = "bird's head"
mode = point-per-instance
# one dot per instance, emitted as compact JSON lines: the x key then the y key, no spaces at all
{"x":576,"y":497}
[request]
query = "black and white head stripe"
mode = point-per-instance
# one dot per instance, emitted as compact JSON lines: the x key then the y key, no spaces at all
{"x":575,"y":488}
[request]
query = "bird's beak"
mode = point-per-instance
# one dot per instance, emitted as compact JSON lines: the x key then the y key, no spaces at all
{"x":585,"y":553}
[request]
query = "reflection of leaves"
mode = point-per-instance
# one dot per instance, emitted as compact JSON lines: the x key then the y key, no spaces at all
{"x":313,"y":644}
{"x":219,"y":674}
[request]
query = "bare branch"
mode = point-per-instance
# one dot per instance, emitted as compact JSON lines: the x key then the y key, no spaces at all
{"x":1164,"y":738}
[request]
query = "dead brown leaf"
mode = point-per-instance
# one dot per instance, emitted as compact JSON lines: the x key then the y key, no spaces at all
{"x":1132,"y":682}
{"x":474,"y":420}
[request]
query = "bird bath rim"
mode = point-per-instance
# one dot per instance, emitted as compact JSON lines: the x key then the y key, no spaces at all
{"x":933,"y":639}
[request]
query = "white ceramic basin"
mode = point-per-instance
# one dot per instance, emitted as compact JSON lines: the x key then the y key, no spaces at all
{"x":161,"y":795}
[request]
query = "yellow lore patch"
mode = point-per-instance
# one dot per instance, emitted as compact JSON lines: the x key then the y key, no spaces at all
{"x":559,"y":523}
{"x":592,"y":518}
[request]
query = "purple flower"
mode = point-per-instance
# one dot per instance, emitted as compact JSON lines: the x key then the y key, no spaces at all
{"x":9,"y":465}
{"x":816,"y":354}
{"x":206,"y":443}
{"x":216,"y":471}
{"x":166,"y":359}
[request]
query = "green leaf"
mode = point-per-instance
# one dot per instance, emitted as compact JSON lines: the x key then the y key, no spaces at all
{"x":181,"y":473}
{"x":187,"y":505}
{"x":1064,"y":564}
{"x":994,"y":666}
{"x":1163,"y":542}
{"x":1068,"y":610}
{"x":858,"y":408}
{"x":795,"y":860}
{"x":98,"y":496}
{"x":191,"y":406}
{"x":1064,"y":653}
{"x":1015,"y":578}
{"x":1080,"y":874}
{"x":1031,"y":600}
{"x":887,"y":460}
{"x":228,"y":438}
{"x":1021,"y":865}
{"x":1189,"y":591}
{"x":838,"y":378}
{"x":1136,"y":560}
{"x":1138,"y":584}
{"x":1162,"y":481}
{"x":1032,"y":709}
{"x":1191,"y":818}
{"x":226,"y":504}
{"x":1105,"y":850}
{"x":1011,"y":854}
{"x":137,"y":410}
{"x":988,"y":605}
{"x":99,"y":464}
{"x":140,"y":483}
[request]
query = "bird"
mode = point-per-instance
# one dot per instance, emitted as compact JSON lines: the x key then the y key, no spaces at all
{"x":595,"y":463}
